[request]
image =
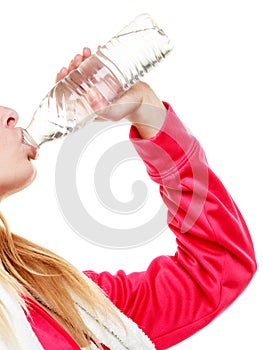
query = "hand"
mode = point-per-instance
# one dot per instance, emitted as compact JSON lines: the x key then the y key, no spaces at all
{"x":74,"y":63}
{"x":139,"y":104}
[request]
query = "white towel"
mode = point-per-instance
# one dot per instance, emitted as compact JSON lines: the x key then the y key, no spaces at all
{"x":106,"y":332}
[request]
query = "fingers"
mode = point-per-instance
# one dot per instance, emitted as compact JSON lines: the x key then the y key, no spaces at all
{"x":61,"y":74}
{"x":74,"y":63}
{"x":86,"y":52}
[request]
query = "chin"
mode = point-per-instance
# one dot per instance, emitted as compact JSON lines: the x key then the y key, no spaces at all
{"x":24,"y":180}
{"x":29,"y":178}
{"x":19,"y":181}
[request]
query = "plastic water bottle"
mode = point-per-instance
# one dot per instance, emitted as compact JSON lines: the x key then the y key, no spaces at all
{"x":112,"y":70}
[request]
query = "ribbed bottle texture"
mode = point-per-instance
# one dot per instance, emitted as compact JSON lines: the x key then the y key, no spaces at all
{"x":112,"y":70}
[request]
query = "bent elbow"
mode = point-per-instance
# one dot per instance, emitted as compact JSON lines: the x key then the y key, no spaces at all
{"x":237,"y":276}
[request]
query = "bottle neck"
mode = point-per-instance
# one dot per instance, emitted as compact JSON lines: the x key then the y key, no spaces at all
{"x":29,"y":139}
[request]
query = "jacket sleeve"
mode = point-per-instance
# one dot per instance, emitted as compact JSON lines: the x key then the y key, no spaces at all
{"x":214,"y":261}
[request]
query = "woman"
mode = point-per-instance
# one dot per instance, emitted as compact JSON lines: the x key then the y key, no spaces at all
{"x":45,"y":303}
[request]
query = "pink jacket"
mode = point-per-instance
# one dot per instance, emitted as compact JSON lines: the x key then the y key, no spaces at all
{"x":214,"y":262}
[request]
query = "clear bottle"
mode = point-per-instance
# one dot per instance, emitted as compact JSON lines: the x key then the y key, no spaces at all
{"x":112,"y":70}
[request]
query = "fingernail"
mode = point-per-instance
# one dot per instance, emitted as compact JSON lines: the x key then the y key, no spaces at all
{"x":63,"y":71}
{"x":77,"y":57}
{"x":86,"y":52}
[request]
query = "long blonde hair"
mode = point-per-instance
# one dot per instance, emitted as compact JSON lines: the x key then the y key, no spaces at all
{"x":30,"y":270}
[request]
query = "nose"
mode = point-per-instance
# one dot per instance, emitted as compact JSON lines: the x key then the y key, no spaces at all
{"x":8,"y":117}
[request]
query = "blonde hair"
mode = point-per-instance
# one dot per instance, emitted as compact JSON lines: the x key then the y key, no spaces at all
{"x":30,"y":270}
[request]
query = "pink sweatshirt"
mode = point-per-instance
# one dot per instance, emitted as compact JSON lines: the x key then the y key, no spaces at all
{"x":213,"y":263}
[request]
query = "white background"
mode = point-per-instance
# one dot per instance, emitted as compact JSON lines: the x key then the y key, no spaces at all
{"x":214,"y":81}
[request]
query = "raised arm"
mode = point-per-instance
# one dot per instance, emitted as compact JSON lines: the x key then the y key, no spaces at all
{"x":214,"y":259}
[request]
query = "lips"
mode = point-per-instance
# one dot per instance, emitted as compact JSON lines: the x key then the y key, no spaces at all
{"x":32,"y":154}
